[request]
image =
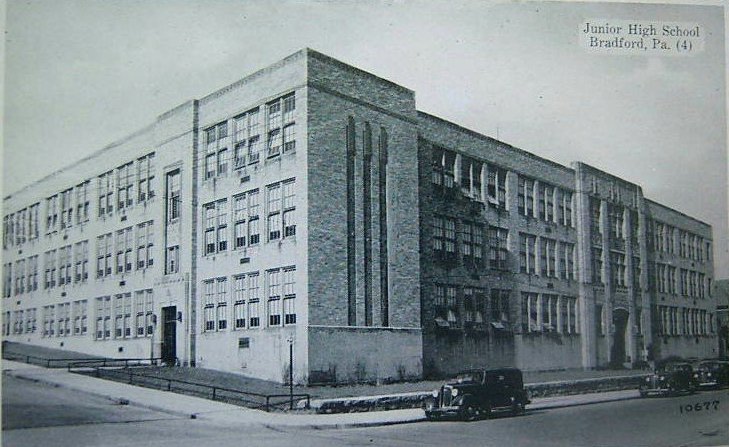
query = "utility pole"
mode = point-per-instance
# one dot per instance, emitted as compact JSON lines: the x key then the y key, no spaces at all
{"x":291,"y":373}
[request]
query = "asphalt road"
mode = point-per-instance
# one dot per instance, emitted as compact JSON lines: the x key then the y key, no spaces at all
{"x":36,"y":414}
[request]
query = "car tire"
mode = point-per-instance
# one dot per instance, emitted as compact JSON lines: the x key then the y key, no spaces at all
{"x":470,"y":412}
{"x":518,"y":408}
{"x":643,"y":393}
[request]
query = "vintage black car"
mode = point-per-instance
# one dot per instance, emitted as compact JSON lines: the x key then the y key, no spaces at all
{"x":670,"y":378}
{"x":712,"y":374}
{"x":477,"y":393}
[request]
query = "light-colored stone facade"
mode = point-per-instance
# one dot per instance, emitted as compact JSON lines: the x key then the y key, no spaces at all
{"x":302,"y":206}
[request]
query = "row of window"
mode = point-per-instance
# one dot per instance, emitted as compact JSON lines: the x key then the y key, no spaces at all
{"x":279,"y":213}
{"x":692,"y":284}
{"x":127,"y":245}
{"x":618,"y":269}
{"x":124,"y":315}
{"x":131,"y":181}
{"x":534,"y":198}
{"x":617,"y":222}
{"x":245,"y":309}
{"x":545,"y":312}
{"x":70,"y":264}
{"x":673,"y":320}
{"x":690,"y":246}
{"x":59,"y":320}
{"x":240,"y":141}
{"x":472,"y":306}
{"x":556,"y":258}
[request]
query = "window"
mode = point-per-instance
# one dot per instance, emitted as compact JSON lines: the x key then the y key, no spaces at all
{"x":438,"y":234}
{"x":254,"y":319}
{"x":467,"y":239}
{"x":64,"y":265}
{"x":145,"y":245}
{"x":66,"y":209}
{"x":289,"y":295}
{"x":81,"y":261}
{"x":8,"y":279}
{"x":209,"y":304}
{"x":450,"y":236}
{"x":173,"y":195}
{"x":215,"y":216}
{"x":33,"y":220}
{"x":172,"y":261}
{"x":289,"y":208}
{"x":498,"y":250}
{"x":478,"y":243}
{"x":33,"y":273}
{"x":145,"y":178}
{"x":499,"y":305}
{"x":80,"y":315}
{"x":222,"y":307}
{"x":597,"y":277}
{"x":281,"y":116}
{"x":497,"y":187}
{"x":144,"y":305}
{"x":19,"y":277}
{"x":240,"y":295}
{"x":274,"y":212}
{"x":216,"y":160}
{"x":471,"y":177}
{"x":103,"y":255}
{"x":125,"y":183}
{"x":530,"y":316}
{"x":274,"y":297}
{"x":103,"y":318}
{"x":548,"y":257}
{"x":525,"y":196}
{"x":254,"y":234}
{"x":105,"y":183}
{"x":546,"y":202}
{"x":527,"y":253}
{"x":446,"y":307}
{"x":567,"y":260}
{"x":124,"y":244}
{"x":50,"y":263}
{"x":246,"y":138}
{"x":51,"y":215}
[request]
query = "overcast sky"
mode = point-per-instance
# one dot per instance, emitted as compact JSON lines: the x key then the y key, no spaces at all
{"x":81,"y":74}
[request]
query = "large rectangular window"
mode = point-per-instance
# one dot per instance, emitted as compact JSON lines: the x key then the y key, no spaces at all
{"x":548,"y":257}
{"x":215,"y":219}
{"x":496,"y":190}
{"x":105,"y":187}
{"x":527,"y":253}
{"x":222,"y":303}
{"x":173,"y":195}
{"x":125,"y":184}
{"x":273,"y":281}
{"x":525,"y":196}
{"x":289,"y":295}
{"x":280,"y":125}
{"x":145,"y":178}
{"x":498,"y":249}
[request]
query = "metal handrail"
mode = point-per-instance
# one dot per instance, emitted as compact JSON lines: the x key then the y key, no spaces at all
{"x":264,"y":401}
{"x":110,"y":362}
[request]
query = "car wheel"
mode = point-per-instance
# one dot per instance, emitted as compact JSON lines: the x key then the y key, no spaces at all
{"x":518,"y":408}
{"x":431,"y":417}
{"x":469,"y":413}
{"x":643,"y":393}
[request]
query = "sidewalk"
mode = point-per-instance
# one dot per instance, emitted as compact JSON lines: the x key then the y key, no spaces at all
{"x":218,"y":412}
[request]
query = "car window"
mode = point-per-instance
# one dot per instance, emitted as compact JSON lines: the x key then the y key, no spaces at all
{"x":470,"y":376}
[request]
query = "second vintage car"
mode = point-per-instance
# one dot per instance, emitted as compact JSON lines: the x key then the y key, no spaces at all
{"x":670,"y":378}
{"x":478,"y":393}
{"x":712,"y":374}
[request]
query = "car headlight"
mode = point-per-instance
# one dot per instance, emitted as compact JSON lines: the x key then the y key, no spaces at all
{"x":647,"y":379}
{"x":455,"y":392}
{"x":435,"y":393}
{"x":661,"y":378}
{"x":708,"y":374}
{"x":696,"y":376}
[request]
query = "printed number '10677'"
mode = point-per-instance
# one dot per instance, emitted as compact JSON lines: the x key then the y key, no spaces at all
{"x":699,"y":406}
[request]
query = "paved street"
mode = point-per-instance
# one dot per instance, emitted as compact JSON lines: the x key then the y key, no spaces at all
{"x":36,"y":414}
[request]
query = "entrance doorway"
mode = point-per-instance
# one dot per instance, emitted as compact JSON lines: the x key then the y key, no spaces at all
{"x":169,"y":335}
{"x":620,"y":322}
